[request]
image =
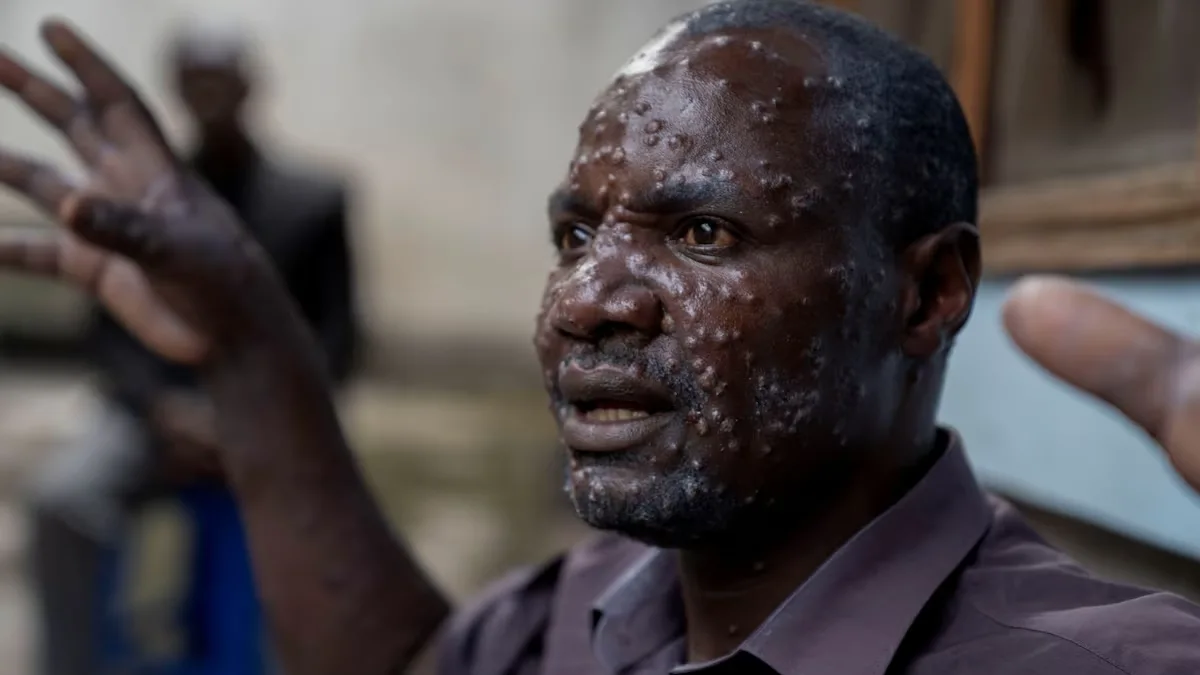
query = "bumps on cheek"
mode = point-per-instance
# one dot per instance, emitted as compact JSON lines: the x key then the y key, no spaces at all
{"x":771,"y":180}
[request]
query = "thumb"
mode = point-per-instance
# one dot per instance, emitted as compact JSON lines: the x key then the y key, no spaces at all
{"x":115,"y":227}
{"x":1147,"y":372}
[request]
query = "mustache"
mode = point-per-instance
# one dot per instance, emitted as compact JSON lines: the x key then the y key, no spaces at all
{"x":616,"y":353}
{"x":647,"y":361}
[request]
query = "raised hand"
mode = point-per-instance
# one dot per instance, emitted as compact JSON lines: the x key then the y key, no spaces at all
{"x":171,"y":262}
{"x":150,"y":240}
{"x":1144,"y":370}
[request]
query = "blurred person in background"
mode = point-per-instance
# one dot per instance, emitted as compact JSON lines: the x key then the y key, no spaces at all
{"x":157,"y":430}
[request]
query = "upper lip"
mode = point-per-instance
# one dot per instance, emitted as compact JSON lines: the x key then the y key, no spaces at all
{"x":584,"y":388}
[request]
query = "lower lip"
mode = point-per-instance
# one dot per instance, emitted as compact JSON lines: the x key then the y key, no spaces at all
{"x":583,"y":435}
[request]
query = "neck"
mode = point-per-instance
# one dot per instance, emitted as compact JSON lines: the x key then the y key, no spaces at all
{"x":729,"y":590}
{"x":224,"y":148}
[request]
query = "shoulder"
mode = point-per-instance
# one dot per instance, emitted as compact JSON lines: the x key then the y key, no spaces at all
{"x":506,"y":625}
{"x":305,"y":187}
{"x":502,"y":623}
{"x":1022,"y":606}
{"x":1148,"y":634}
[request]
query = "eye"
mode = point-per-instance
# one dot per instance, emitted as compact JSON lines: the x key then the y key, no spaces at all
{"x":574,"y":237}
{"x":708,"y":233}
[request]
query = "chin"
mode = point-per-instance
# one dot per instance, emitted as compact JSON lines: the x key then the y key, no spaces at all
{"x":681,"y":509}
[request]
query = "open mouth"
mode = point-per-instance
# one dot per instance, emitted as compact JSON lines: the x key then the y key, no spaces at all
{"x":612,"y":409}
{"x":609,"y":411}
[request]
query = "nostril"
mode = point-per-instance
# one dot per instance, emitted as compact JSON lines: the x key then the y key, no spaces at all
{"x":568,"y":326}
{"x":586,"y":312}
{"x":570,"y":330}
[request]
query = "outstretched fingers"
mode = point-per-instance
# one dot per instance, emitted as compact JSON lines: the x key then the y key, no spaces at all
{"x":53,"y":254}
{"x":40,"y":183}
{"x":32,"y":251}
{"x":1146,"y":371}
{"x":100,"y":80}
{"x":120,"y":112}
{"x":113,"y":280}
{"x":1098,"y":346}
{"x":54,"y":105}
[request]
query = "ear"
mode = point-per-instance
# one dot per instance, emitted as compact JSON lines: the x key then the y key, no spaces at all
{"x":941,"y":274}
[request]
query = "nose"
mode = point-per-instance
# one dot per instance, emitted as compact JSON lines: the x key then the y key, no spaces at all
{"x":588,"y":313}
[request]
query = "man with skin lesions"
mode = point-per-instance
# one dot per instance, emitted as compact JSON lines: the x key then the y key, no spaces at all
{"x":766,"y":248}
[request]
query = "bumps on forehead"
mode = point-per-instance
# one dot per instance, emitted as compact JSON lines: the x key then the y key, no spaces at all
{"x":654,"y":52}
{"x":887,"y":121}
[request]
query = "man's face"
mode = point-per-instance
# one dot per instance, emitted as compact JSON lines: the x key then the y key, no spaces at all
{"x":213,"y":94}
{"x":704,"y":336}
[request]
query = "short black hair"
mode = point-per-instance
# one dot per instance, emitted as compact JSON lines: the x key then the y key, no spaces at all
{"x":213,"y":43}
{"x":894,"y":118}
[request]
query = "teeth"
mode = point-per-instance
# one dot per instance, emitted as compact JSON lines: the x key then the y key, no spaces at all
{"x":613,"y":414}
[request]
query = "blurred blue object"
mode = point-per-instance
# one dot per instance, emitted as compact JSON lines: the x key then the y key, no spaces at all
{"x":220,"y":615}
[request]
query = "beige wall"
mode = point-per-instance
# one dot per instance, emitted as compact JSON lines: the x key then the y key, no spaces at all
{"x":457,"y":115}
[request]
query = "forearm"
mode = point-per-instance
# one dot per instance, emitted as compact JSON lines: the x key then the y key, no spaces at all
{"x":341,"y":592}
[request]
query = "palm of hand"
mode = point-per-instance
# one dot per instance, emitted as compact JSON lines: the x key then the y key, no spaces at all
{"x":148,"y":238}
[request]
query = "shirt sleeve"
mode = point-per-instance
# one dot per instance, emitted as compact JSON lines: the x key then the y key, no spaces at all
{"x":502,"y":632}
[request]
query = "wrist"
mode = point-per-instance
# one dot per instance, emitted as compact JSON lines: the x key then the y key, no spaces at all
{"x":276,"y":422}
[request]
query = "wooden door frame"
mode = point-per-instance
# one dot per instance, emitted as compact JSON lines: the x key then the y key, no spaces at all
{"x":1132,"y":220}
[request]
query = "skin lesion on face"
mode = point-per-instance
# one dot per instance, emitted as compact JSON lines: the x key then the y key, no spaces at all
{"x":694,"y":334}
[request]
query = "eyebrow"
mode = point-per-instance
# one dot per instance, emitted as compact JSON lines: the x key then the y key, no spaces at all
{"x":563,"y":200}
{"x":673,"y":197}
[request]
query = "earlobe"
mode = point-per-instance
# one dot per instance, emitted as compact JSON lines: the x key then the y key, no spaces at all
{"x":941,"y":274}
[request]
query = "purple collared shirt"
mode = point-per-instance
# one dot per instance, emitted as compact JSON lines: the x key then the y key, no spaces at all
{"x":947,"y":581}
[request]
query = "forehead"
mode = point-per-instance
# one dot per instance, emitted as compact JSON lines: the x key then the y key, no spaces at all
{"x":745,"y":91}
{"x":732,"y":109}
{"x":727,"y":53}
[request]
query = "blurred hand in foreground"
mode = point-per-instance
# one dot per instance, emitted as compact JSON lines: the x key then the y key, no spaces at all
{"x":1150,"y":374}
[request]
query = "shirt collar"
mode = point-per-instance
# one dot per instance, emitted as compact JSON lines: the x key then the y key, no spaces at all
{"x":639,"y":614}
{"x":851,"y":615}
